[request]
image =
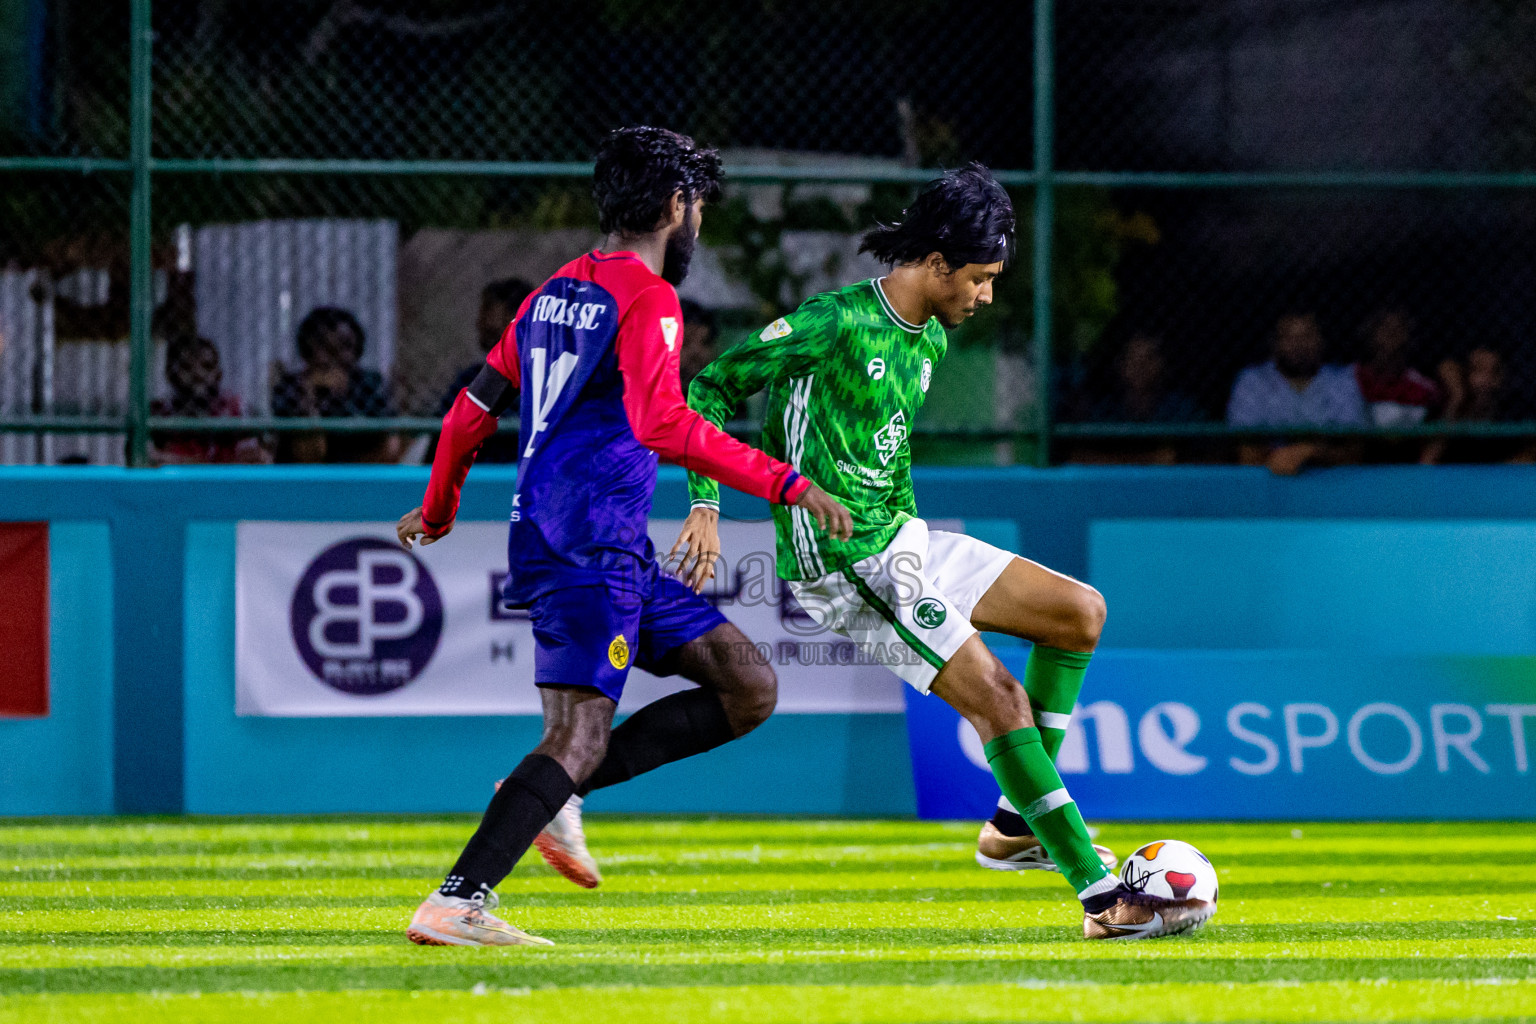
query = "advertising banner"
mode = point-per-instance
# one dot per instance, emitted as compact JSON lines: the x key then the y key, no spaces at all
{"x":24,"y":619}
{"x":1289,"y":669}
{"x":335,"y":619}
{"x":1267,"y":734}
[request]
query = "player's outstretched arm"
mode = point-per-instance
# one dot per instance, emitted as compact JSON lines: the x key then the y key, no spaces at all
{"x":472,"y":419}
{"x":789,"y":347}
{"x":662,"y":421}
{"x":697,"y":550}
{"x":828,"y":512}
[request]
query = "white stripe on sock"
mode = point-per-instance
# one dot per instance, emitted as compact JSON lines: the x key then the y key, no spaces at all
{"x":1053,"y":720}
{"x":1004,"y":804}
{"x":1104,"y":884}
{"x":1048,"y":803}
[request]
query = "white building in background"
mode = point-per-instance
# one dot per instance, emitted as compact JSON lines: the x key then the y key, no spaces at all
{"x":255,"y":282}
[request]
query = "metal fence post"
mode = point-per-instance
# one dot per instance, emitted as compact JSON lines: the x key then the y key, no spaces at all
{"x":1045,"y":219}
{"x":141,"y":299}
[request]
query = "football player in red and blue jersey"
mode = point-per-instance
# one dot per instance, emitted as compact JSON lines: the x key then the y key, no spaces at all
{"x":594,"y":356}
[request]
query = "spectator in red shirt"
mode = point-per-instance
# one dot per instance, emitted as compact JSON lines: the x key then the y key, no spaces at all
{"x":192,"y":370}
{"x":1396,"y":394}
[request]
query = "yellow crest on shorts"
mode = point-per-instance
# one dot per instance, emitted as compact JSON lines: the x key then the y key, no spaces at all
{"x":618,"y":652}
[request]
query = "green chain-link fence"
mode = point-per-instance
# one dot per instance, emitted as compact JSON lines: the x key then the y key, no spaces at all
{"x":1188,"y":173}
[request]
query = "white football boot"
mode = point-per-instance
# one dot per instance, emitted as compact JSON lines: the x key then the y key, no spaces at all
{"x":563,"y":845}
{"x":455,"y":921}
{"x":1024,"y":853}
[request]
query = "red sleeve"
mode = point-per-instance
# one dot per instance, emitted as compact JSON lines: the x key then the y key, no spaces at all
{"x":650,"y":336}
{"x":465,"y":429}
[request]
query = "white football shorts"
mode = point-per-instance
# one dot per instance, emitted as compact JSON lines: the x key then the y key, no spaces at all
{"x":909,"y":607}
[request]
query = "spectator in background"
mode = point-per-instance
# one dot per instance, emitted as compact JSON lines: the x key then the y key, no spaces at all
{"x":1297,"y":389}
{"x":1395,"y":394}
{"x":1138,"y":393}
{"x":700,"y":332}
{"x":1479,"y":393}
{"x":196,"y":380}
{"x":332,"y":384}
{"x":499,"y":303}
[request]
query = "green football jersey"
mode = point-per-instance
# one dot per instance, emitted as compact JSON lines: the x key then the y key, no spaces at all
{"x":844,"y":375}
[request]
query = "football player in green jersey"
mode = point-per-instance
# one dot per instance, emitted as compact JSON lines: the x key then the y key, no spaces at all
{"x":845,"y":374}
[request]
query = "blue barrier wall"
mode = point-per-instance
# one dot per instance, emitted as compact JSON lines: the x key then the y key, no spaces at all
{"x":156,"y":564}
{"x":62,"y":764}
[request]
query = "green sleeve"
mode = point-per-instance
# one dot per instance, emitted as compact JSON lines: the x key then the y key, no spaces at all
{"x":788,"y":347}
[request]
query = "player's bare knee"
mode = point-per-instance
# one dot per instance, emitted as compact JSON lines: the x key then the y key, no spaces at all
{"x":1085,"y":620}
{"x":1003,"y":705}
{"x":578,"y":746}
{"x":741,"y":675}
{"x":585,"y":755}
{"x":1009,"y":701}
{"x":755,"y":699}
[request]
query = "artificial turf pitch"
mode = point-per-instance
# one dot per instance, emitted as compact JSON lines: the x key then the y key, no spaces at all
{"x":752,"y":920}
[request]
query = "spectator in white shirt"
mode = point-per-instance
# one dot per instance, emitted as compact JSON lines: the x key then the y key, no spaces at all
{"x":1297,"y":389}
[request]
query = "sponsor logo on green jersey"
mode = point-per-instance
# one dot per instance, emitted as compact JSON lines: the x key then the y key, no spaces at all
{"x":889,"y":438}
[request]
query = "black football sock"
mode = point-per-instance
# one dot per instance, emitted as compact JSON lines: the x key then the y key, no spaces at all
{"x":1101,"y":902}
{"x":677,"y":726}
{"x":1009,"y":821}
{"x":527,"y":801}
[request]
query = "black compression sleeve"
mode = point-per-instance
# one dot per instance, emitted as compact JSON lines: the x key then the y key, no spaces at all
{"x":492,"y":391}
{"x":670,"y":729}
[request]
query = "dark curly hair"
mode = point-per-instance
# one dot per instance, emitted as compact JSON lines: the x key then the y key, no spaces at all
{"x":509,"y":292}
{"x":965,"y":217}
{"x":184,"y":348}
{"x":321,"y":321}
{"x":638,"y":170}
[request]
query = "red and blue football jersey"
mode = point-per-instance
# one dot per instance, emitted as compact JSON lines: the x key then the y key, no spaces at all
{"x":595,"y":354}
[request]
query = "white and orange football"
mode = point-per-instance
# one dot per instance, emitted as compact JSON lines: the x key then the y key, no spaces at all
{"x":1171,"y":869}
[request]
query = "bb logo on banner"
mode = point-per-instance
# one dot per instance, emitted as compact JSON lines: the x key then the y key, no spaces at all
{"x":366,"y":616}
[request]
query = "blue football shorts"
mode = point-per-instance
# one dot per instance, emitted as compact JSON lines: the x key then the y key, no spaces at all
{"x":591,"y":635}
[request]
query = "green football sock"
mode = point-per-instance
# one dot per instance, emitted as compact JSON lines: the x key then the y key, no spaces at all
{"x":1053,"y":678}
{"x":1029,"y":780}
